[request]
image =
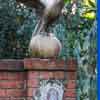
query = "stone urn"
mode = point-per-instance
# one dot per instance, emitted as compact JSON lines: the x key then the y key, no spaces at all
{"x":45,"y":46}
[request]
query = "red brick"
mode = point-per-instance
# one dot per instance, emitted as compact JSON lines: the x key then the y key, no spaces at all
{"x":50,"y":64}
{"x":35,"y":62}
{"x":12,"y":75}
{"x":71,"y":84}
{"x":15,"y":92}
{"x":11,"y":84}
{"x":31,"y":92}
{"x":72,"y":64}
{"x":3,"y":93}
{"x":51,"y":75}
{"x":44,"y":75}
{"x":70,"y":93}
{"x":54,"y":63}
{"x":33,"y":74}
{"x":59,"y":75}
{"x":27,"y":63}
{"x":71,"y":75}
{"x":32,"y":83}
{"x":1,"y":98}
{"x":43,"y":64}
{"x":11,"y":64}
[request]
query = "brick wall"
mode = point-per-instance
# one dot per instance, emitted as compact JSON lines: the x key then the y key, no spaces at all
{"x":20,"y":79}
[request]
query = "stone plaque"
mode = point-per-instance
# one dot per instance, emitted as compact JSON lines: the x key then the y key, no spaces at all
{"x":50,"y":90}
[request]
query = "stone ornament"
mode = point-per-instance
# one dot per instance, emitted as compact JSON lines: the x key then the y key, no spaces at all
{"x":50,"y":90}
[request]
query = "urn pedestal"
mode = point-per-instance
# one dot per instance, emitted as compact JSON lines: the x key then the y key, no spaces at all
{"x":22,"y":79}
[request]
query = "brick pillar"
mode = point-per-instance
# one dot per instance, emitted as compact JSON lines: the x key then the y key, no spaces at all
{"x":20,"y":79}
{"x":44,"y":69}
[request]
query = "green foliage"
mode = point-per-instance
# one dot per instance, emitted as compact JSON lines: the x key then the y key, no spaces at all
{"x":7,"y":27}
{"x":76,"y":30}
{"x":66,"y":1}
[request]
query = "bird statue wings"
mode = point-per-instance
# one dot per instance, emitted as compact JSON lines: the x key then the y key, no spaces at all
{"x":50,"y":9}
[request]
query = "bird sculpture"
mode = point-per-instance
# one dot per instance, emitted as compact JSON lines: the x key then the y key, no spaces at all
{"x":50,"y":10}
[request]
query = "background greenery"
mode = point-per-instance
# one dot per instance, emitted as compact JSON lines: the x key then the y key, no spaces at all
{"x":76,"y":29}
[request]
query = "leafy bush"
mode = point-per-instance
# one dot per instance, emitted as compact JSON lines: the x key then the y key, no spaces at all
{"x":76,"y":29}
